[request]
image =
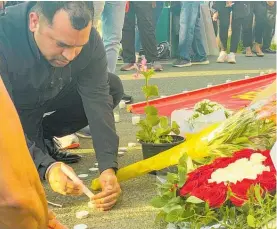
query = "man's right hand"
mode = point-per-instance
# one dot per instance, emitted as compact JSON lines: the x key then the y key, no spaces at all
{"x":60,"y":183}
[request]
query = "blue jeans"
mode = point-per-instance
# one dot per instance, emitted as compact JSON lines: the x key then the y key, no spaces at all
{"x":112,"y":23}
{"x":190,"y":35}
{"x":157,"y":11}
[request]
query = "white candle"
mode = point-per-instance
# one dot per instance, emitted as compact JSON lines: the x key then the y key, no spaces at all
{"x":116,"y":118}
{"x":135,"y":120}
{"x":122,"y":104}
{"x":247,"y":77}
{"x":228,"y":81}
{"x":163,"y":96}
{"x":209,"y":85}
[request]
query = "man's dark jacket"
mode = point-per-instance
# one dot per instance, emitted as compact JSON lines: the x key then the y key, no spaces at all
{"x":30,"y":83}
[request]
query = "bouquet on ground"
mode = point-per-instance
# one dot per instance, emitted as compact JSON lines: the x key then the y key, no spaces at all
{"x":231,"y":192}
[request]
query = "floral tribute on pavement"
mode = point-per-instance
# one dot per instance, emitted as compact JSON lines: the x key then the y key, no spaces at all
{"x":233,"y":186}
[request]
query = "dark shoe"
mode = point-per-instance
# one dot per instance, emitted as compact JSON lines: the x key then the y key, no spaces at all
{"x":156,"y":66}
{"x":127,"y":98}
{"x":269,"y":51}
{"x":61,"y":156}
{"x":128,"y":67}
{"x":84,"y":133}
{"x":181,"y":63}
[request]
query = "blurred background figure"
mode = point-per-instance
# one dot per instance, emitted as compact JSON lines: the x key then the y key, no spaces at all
{"x":253,"y":32}
{"x":143,"y":13}
{"x":230,"y":12}
{"x":190,"y":37}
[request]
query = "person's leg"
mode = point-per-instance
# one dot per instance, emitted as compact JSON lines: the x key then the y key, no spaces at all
{"x":224,"y":23}
{"x":98,"y":9}
{"x":146,"y":28}
{"x":260,"y":18}
{"x":247,"y":28}
{"x":128,"y":36}
{"x":112,"y":24}
{"x":31,"y":120}
{"x":69,"y":115}
{"x":269,"y":29}
{"x":235,"y":38}
{"x":188,"y":17}
{"x":200,"y":56}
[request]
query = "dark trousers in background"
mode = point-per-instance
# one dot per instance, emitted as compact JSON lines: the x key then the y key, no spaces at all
{"x":68,"y":117}
{"x":224,"y":23}
{"x":249,"y":36}
{"x":144,"y":13}
{"x":269,"y":29}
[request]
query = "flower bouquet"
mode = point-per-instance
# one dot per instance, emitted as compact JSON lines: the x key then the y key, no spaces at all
{"x":253,"y":127}
{"x":235,"y":192}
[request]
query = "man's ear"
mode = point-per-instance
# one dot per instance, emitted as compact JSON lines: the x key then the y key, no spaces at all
{"x":33,"y":21}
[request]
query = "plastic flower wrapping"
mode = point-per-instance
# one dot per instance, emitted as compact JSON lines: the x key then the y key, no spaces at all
{"x":253,"y":127}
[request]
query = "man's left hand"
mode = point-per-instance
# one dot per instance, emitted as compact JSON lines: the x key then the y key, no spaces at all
{"x":111,"y":191}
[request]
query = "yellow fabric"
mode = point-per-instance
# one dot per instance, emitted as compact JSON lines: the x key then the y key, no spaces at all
{"x":195,"y":147}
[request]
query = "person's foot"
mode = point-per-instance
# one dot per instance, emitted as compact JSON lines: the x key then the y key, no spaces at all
{"x":248,"y":52}
{"x":61,"y":156}
{"x":156,"y":65}
{"x":269,"y":51}
{"x":222,"y":57}
{"x":203,"y":61}
{"x":67,"y":142}
{"x":231,"y":58}
{"x":181,"y":63}
{"x":127,"y":98}
{"x":128,"y":67}
{"x":258,"y":50}
{"x":84,"y":133}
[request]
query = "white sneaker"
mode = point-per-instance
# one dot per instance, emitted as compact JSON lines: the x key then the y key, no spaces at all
{"x":67,"y":142}
{"x":222,"y":57}
{"x":231,"y":58}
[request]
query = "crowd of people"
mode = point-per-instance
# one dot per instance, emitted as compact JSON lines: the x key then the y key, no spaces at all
{"x":60,"y":75}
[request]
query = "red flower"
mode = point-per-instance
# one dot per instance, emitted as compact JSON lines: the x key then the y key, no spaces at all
{"x":267,"y":180}
{"x":214,"y":194}
{"x":188,"y":187}
{"x":240,"y":191}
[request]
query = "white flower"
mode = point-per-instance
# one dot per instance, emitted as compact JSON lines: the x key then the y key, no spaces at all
{"x":241,"y":169}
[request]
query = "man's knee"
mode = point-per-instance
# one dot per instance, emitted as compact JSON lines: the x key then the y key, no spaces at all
{"x":116,"y":88}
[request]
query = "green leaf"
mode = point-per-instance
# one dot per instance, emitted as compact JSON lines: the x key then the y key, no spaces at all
{"x":194,"y":200}
{"x":174,"y":215}
{"x":172,"y":207}
{"x":175,"y":128}
{"x":182,"y":173}
{"x":251,"y":221}
{"x":152,"y":120}
{"x":151,"y":90}
{"x":171,"y":177}
{"x":159,"y":201}
{"x":164,"y":122}
{"x":257,"y":190}
{"x":162,"y":132}
{"x":151,"y":110}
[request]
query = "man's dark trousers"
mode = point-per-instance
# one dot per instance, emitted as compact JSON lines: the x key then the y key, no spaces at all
{"x":68,"y":113}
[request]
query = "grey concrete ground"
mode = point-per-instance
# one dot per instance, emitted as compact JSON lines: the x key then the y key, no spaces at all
{"x":133,"y":210}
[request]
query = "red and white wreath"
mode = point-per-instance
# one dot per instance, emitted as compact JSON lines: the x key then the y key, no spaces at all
{"x":237,"y":173}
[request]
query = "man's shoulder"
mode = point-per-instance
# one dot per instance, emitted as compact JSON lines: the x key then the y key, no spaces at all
{"x":14,"y":45}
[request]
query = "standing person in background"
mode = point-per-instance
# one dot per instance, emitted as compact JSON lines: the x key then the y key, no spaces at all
{"x":111,"y":14}
{"x":143,"y":12}
{"x":259,"y":10}
{"x":190,"y":37}
{"x":239,"y":12}
{"x":269,"y":27}
{"x":157,"y":11}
